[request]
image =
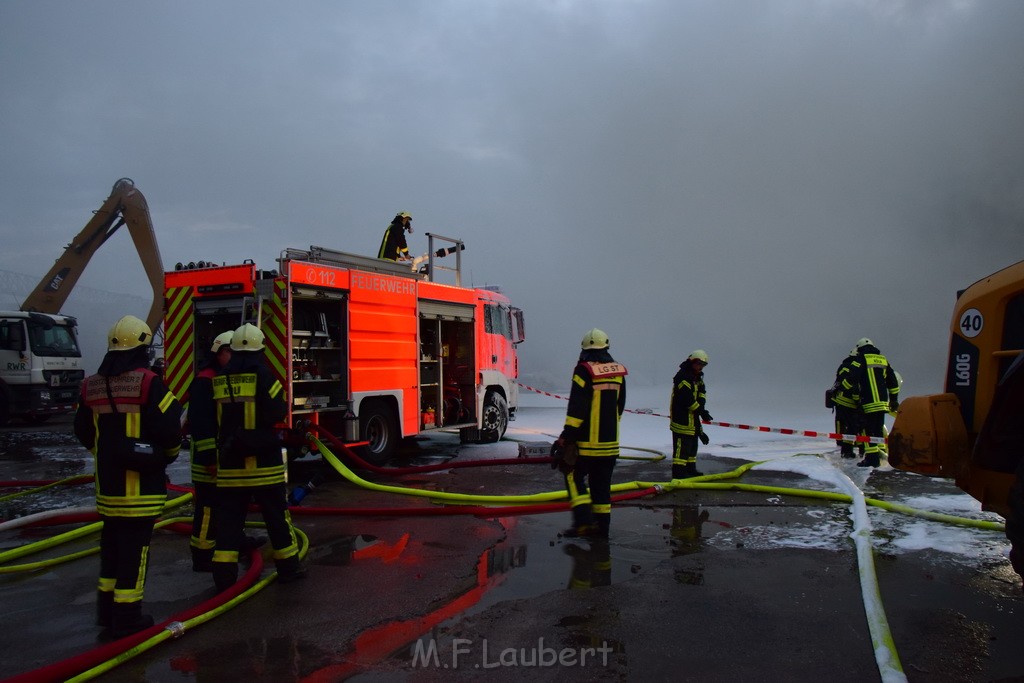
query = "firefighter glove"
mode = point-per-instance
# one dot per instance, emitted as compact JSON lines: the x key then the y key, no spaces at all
{"x":557,"y":453}
{"x":703,"y":438}
{"x":705,"y":415}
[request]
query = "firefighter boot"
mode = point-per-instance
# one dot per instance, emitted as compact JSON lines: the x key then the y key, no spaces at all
{"x":127,"y":618}
{"x":582,"y":523}
{"x":202,"y":560}
{"x":870,"y":460}
{"x":290,"y":569}
{"x":689,"y":470}
{"x":603,"y":522}
{"x":846,"y":450}
{"x":104,"y":608}
{"x":1017,"y":562}
{"x":250,"y":543}
{"x":225,"y":574}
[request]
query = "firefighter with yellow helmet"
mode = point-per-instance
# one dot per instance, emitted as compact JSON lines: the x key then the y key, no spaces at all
{"x":689,"y":396}
{"x":131,"y":423}
{"x":392,"y":245}
{"x":250,"y":402}
{"x":588,"y":447}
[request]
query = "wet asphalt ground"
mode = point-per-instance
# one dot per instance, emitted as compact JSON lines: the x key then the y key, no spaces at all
{"x":691,"y":586}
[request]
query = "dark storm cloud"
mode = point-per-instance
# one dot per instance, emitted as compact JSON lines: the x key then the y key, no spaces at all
{"x":769,"y":181}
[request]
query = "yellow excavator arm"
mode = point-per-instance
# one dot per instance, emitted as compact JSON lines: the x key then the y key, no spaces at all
{"x":125,"y":206}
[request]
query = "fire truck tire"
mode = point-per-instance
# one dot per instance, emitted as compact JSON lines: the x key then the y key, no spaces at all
{"x":378,"y":426}
{"x":495,"y":418}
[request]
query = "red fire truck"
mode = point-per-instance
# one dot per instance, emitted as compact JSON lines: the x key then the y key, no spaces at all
{"x":358,"y":341}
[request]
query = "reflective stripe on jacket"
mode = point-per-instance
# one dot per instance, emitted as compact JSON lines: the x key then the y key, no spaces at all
{"x":131,"y":424}
{"x":596,"y":401}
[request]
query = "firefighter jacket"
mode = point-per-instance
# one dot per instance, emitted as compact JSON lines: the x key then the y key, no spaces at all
{"x":131,"y":423}
{"x":872,"y":382}
{"x":840,"y":395}
{"x":202,"y":421}
{"x":393,"y":243}
{"x":689,"y":396}
{"x":249,"y":404}
{"x":596,"y":402}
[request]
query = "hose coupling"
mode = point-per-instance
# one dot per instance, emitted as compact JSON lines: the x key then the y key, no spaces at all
{"x":176,"y":628}
{"x":658,"y":488}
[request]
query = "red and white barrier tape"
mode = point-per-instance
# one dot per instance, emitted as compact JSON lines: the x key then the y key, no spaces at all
{"x":859,"y":438}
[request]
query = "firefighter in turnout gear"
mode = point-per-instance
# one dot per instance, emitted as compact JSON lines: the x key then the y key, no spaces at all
{"x":846,"y":408}
{"x":130,"y":422}
{"x":689,"y":396}
{"x":392,"y":245}
{"x":874,"y":385}
{"x":588,"y":447}
{"x":250,"y":402}
{"x":202,"y":419}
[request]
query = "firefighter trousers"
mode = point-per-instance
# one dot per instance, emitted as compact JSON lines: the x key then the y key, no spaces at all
{"x":848,"y":421}
{"x":874,"y":426}
{"x":684,"y":456}
{"x":591,"y":507}
{"x":232,"y":509}
{"x":124,"y":553}
{"x":204,"y":529}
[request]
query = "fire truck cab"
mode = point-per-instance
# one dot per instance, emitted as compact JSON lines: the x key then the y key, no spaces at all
{"x":368,"y":349}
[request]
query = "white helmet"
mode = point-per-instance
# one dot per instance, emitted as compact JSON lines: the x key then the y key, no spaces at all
{"x":864,"y":341}
{"x":594,"y":339}
{"x":699,"y":354}
{"x":248,"y":337}
{"x":220,"y":340}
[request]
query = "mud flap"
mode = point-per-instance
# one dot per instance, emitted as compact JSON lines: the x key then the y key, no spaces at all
{"x":929,"y":437}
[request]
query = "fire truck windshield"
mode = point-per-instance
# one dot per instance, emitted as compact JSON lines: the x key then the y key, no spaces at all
{"x":53,"y":340}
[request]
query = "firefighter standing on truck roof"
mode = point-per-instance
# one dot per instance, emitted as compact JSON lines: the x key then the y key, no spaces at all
{"x":250,"y":466}
{"x":588,"y":447}
{"x":689,"y":396}
{"x":393,"y":246}
{"x":846,"y":407}
{"x":874,"y":385}
{"x":131,"y":423}
{"x":202,"y":421}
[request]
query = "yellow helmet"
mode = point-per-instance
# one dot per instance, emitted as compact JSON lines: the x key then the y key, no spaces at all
{"x":248,"y":337}
{"x":405,"y":214}
{"x":220,"y":340}
{"x":699,"y":354}
{"x":128,"y":333}
{"x":594,"y":339}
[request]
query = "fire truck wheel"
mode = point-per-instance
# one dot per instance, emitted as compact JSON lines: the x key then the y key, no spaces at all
{"x":379,"y":427}
{"x":495,"y":418}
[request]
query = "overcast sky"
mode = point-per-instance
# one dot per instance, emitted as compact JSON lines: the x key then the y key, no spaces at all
{"x":769,"y":181}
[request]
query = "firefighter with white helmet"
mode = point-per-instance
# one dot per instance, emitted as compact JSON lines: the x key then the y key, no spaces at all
{"x":130,"y":422}
{"x":875,"y":386}
{"x":689,"y":396}
{"x":202,"y":427}
{"x":250,"y":402}
{"x":588,"y":447}
{"x":393,"y":246}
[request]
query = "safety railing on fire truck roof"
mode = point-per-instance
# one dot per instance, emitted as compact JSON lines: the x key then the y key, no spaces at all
{"x":416,"y":270}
